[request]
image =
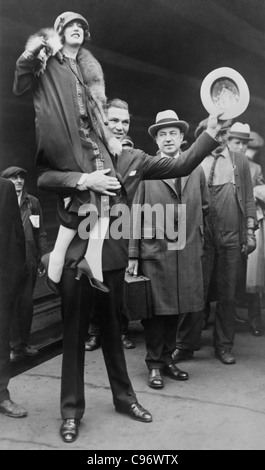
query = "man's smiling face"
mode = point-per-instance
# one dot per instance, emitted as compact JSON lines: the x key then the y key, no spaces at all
{"x":119,"y":121}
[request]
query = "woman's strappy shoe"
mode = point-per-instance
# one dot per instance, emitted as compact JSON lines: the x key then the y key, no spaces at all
{"x":53,"y":286}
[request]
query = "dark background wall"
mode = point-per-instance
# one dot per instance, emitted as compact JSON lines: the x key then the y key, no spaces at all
{"x":154,"y":53}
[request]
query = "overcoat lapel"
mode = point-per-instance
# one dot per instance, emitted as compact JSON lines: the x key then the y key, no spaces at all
{"x":169,"y":182}
{"x":184,"y":180}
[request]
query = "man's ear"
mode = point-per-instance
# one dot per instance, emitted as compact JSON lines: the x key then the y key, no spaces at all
{"x":181,"y":136}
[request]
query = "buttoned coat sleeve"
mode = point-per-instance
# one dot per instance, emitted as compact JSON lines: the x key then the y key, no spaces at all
{"x":60,"y":182}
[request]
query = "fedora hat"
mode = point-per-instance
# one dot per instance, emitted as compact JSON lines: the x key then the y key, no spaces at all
{"x":240,"y":131}
{"x":224,"y":90}
{"x":167,"y":118}
{"x":12,"y":171}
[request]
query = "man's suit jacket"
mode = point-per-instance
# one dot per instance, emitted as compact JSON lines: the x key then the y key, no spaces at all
{"x":133,"y":166}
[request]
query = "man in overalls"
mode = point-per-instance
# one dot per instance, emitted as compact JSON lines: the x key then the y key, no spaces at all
{"x":230,"y":229}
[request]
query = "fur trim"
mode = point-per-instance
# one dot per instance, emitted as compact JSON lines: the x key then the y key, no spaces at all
{"x":90,"y":67}
{"x":92,"y":74}
{"x":54,"y":45}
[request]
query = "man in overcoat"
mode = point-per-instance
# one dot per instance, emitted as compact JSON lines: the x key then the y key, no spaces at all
{"x":175,"y":274}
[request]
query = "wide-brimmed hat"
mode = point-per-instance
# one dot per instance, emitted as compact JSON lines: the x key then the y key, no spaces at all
{"x":167,"y":118}
{"x":240,"y":131}
{"x":12,"y":171}
{"x":65,"y":18}
{"x":256,"y":141}
{"x":225,"y":90}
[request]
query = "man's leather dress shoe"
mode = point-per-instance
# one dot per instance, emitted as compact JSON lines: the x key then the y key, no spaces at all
{"x":127,"y":342}
{"x":172,"y":371}
{"x":93,"y":343}
{"x":225,"y":357}
{"x":29,"y":350}
{"x":137,"y":412}
{"x":181,"y":355}
{"x":16,"y":354}
{"x":155,"y":380}
{"x":255,"y":331}
{"x":9,"y":408}
{"x":69,"y":430}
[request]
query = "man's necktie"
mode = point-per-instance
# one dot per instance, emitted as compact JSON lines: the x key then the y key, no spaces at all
{"x":211,"y":174}
{"x":178,"y":186}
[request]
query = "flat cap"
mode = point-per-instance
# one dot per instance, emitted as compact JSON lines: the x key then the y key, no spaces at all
{"x":12,"y":171}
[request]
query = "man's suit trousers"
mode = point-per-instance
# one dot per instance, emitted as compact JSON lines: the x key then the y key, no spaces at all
{"x":78,"y":298}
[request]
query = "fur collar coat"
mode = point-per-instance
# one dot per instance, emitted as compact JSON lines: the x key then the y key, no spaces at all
{"x":93,"y":82}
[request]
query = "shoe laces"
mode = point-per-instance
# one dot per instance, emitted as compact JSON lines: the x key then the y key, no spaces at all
{"x":71,"y":423}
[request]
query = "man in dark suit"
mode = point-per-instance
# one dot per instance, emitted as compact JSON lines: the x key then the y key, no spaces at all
{"x":119,"y":122}
{"x":12,"y":271}
{"x":78,"y":297}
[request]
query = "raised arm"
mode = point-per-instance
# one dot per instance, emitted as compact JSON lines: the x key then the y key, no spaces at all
{"x":158,"y":168}
{"x":26,"y":66}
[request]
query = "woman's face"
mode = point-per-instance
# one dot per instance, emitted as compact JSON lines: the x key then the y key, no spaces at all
{"x":74,"y":34}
